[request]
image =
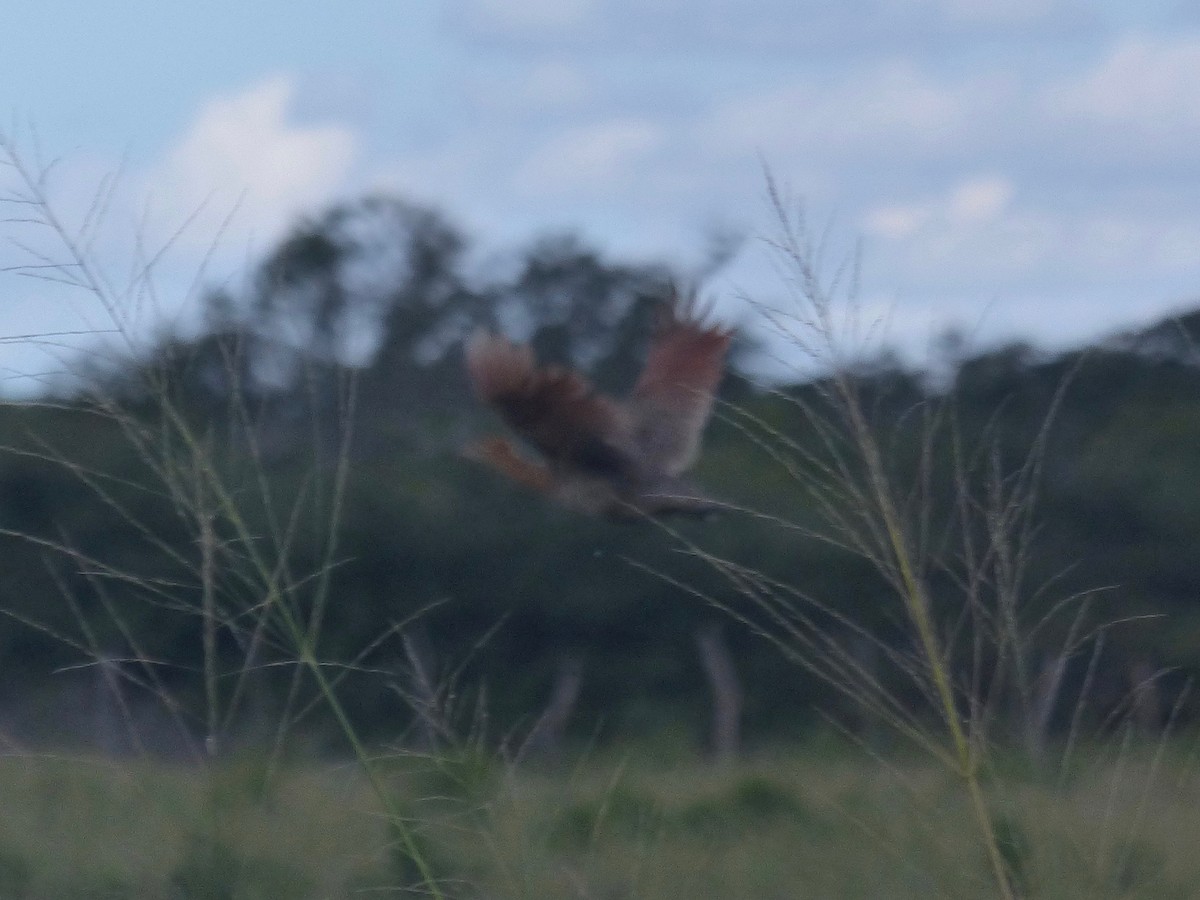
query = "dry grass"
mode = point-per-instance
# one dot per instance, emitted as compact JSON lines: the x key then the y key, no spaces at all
{"x":951,"y":822}
{"x":238,"y":578}
{"x":820,"y":822}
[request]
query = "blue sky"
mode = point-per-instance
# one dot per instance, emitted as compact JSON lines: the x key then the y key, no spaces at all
{"x":1022,"y":168}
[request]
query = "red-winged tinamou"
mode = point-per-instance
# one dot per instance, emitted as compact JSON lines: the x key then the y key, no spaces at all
{"x":617,"y":458}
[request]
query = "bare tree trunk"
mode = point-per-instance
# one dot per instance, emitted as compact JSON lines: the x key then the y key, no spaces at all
{"x":726,"y":691}
{"x":864,"y":721}
{"x":546,"y":736}
{"x":1046,"y":688}
{"x":113,"y":730}
{"x":421,"y":693}
{"x":1147,"y":699}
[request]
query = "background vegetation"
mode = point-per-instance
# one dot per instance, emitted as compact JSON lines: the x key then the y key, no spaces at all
{"x":352,"y":327}
{"x":258,"y":548}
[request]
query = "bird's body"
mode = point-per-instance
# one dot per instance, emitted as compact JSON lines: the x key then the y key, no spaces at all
{"x":623,"y":459}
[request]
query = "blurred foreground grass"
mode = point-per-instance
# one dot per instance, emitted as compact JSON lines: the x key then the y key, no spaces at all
{"x":818,"y":822}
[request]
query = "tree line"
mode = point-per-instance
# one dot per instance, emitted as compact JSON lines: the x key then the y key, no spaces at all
{"x":332,"y":398}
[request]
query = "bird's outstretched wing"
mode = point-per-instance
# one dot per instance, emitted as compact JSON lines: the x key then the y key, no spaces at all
{"x":553,"y":408}
{"x":501,"y":455}
{"x":673,"y":397}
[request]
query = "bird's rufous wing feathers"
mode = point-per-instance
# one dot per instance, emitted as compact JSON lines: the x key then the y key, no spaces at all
{"x":553,"y":408}
{"x":673,"y":397}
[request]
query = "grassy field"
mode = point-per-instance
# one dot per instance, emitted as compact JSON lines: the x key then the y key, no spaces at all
{"x":814,"y":823}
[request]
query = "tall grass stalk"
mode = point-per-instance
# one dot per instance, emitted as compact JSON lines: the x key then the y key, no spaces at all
{"x":182,"y":458}
{"x":941,"y":507}
{"x":916,"y":604}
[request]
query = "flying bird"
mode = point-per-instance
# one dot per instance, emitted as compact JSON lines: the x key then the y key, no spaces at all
{"x":622,"y":459}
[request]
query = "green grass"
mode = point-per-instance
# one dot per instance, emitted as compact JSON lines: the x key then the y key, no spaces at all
{"x":786,"y":824}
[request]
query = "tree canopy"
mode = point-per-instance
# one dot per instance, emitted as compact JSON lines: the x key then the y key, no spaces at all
{"x":350,"y":338}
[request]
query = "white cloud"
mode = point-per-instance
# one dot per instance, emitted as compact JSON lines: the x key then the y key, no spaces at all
{"x":1140,"y":98}
{"x":972,"y":182}
{"x":974,"y":204}
{"x":991,"y":12}
{"x":965,"y":234}
{"x":553,"y":83}
{"x":1178,"y":246}
{"x":979,"y":200}
{"x":774,"y":26}
{"x":546,"y":86}
{"x":1143,"y":79}
{"x":1133,"y":106}
{"x":896,"y":222}
{"x":232,"y":181}
{"x":973,"y":233}
{"x":528,"y":18}
{"x":892,"y":108}
{"x":596,"y":156}
{"x":974,"y":178}
{"x":242,"y":150}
